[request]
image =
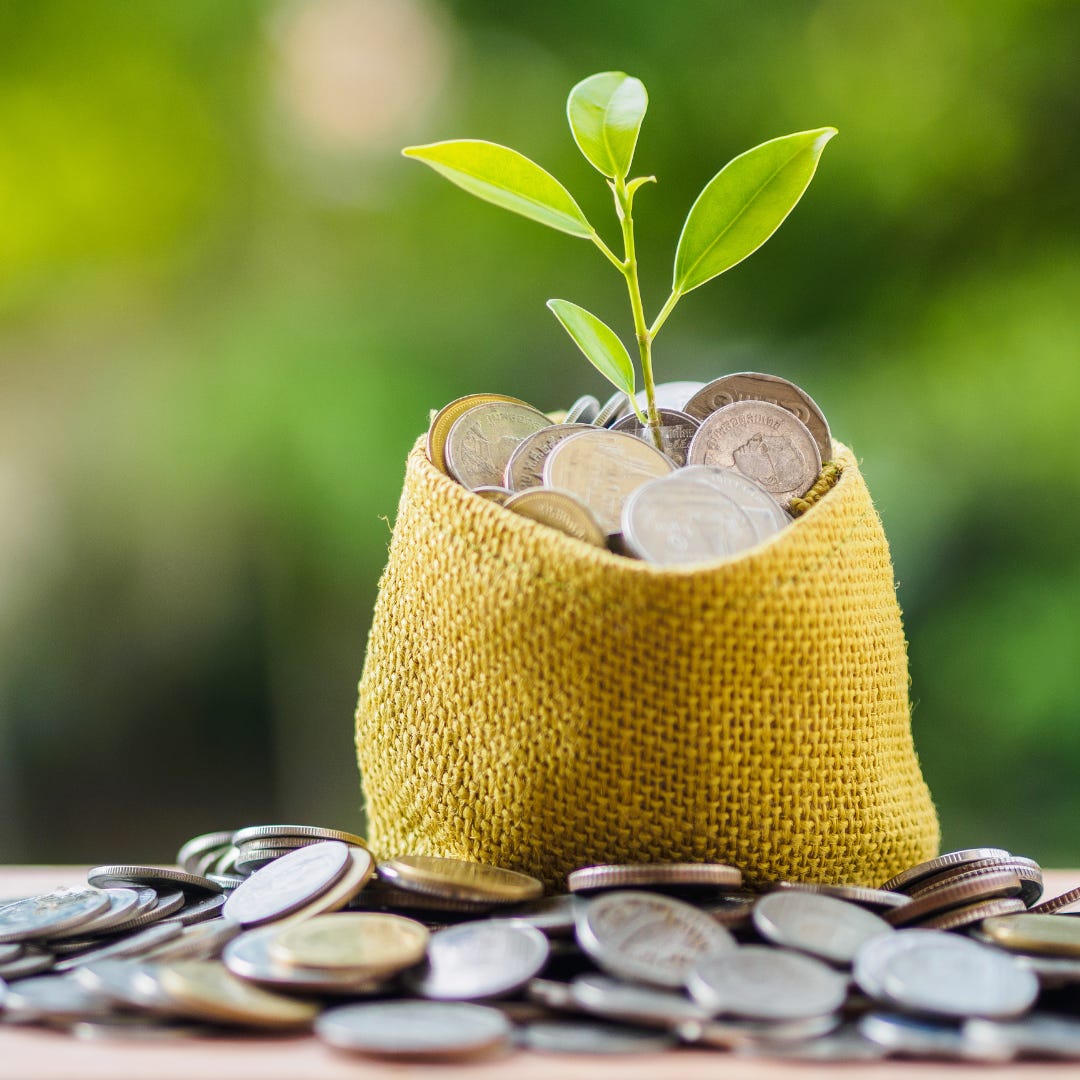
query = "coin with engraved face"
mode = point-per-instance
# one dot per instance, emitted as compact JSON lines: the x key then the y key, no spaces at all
{"x":484,"y":437}
{"x":559,"y":510}
{"x":444,"y":420}
{"x":676,"y":430}
{"x":764,"y":442}
{"x":602,"y":468}
{"x":525,"y":469}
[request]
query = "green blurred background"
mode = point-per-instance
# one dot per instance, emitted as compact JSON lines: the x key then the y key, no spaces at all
{"x":227,"y":304}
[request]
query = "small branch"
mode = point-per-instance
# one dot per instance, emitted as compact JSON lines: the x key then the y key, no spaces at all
{"x":609,"y":254}
{"x":665,"y":311}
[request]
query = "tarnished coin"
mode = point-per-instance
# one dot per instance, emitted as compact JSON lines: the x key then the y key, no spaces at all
{"x":300,"y":832}
{"x":207,"y":990}
{"x":762,"y":983}
{"x":590,"y":1037}
{"x":822,"y":926}
{"x":970,"y":914}
{"x":459,"y":879}
{"x":631,"y":1003}
{"x":51,"y":913}
{"x":948,"y":896}
{"x":368,"y":944}
{"x":875,"y":899}
{"x":612,"y":409}
{"x":676,"y":431}
{"x":697,"y":514}
{"x":1058,"y":903}
{"x":754,"y":386}
{"x":1047,"y":935}
{"x":590,"y":879}
{"x":152,"y":877}
{"x":415,"y":1029}
{"x":121,"y":946}
{"x":906,"y":878}
{"x":476,"y":960}
{"x":559,"y":510}
{"x":649,"y":937}
{"x":448,"y":415}
{"x":602,"y":468}
{"x":764,"y":443}
{"x":288,"y":883}
{"x":483,"y":438}
{"x":51,"y":998}
{"x":525,"y":469}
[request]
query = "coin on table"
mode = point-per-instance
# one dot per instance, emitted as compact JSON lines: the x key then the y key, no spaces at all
{"x":1058,"y":903}
{"x":743,"y":1035}
{"x":153,"y":877}
{"x":525,"y":469}
{"x":906,"y":878}
{"x":192,"y":854}
{"x":1047,"y":935}
{"x":447,"y":416}
{"x":415,"y":1029}
{"x":948,"y":896}
{"x":203,"y":941}
{"x":583,"y":411}
{"x":762,"y":983}
{"x":554,"y":915}
{"x":10,"y":952}
{"x":676,"y":431}
{"x":632,"y":1003}
{"x":1040,"y":1035}
{"x":121,"y":946}
{"x":209,"y":907}
{"x":591,"y":1037}
{"x":485,"y":959}
{"x":164,"y":905}
{"x":875,"y":899}
{"x":126,"y":982}
{"x":289,"y":883}
{"x":207,"y":990}
{"x":30,"y":962}
{"x":382,"y":896}
{"x":915,"y":1036}
{"x":559,"y":510}
{"x":1027,"y":870}
{"x":459,"y":879}
{"x":649,"y":937}
{"x":754,"y":386}
{"x":589,"y":879}
{"x":970,"y":914}
{"x":602,"y":468}
{"x":123,"y":905}
{"x":483,"y":438}
{"x":366,"y":943}
{"x":298,"y":832}
{"x":51,"y":913}
{"x":764,"y":443}
{"x":822,"y":926}
{"x":612,"y":409}
{"x":53,"y":999}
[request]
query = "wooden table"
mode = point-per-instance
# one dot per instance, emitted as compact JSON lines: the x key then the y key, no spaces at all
{"x":32,"y":1054}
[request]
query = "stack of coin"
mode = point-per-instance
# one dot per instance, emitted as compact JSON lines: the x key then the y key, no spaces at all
{"x":441,"y":959}
{"x":732,"y":455}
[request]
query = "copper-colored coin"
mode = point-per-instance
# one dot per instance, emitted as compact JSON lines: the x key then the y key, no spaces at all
{"x":676,"y":430}
{"x":906,"y":878}
{"x":970,"y":914}
{"x":754,"y":386}
{"x":525,"y":469}
{"x":764,"y":442}
{"x":1058,"y":903}
{"x":444,"y":420}
{"x":1047,"y":935}
{"x":947,"y":897}
{"x":459,"y":879}
{"x":482,"y":439}
{"x":642,"y":875}
{"x":1029,"y":873}
{"x":875,"y":899}
{"x":559,"y":510}
{"x":495,"y":493}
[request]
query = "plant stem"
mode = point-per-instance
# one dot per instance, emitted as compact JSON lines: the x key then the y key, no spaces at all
{"x":665,"y":311}
{"x":609,"y":254}
{"x":624,"y":204}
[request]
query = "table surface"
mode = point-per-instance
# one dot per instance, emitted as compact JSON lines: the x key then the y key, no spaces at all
{"x":31,"y":1054}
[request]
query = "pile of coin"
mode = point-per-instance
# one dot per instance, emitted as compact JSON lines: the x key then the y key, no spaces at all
{"x":733,"y":454}
{"x":440,"y":959}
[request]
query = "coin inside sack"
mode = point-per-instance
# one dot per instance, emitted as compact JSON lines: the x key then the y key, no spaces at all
{"x":559,"y":510}
{"x":583,"y":411}
{"x":448,"y":415}
{"x":676,"y":430}
{"x":483,"y":438}
{"x":525,"y":468}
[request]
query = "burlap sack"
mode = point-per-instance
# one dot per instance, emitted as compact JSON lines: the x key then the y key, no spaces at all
{"x":538,"y":704}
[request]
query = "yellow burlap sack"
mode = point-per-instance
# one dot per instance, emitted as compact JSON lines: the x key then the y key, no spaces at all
{"x":538,"y":704}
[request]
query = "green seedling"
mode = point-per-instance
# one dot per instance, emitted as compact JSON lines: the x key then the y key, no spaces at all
{"x":736,"y":212}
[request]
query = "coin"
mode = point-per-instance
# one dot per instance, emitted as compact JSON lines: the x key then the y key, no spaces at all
{"x":697,"y":514}
{"x":51,"y":913}
{"x":632,"y":1003}
{"x":493,"y":493}
{"x":554,"y":915}
{"x":164,"y":904}
{"x":381,"y":895}
{"x":51,"y":998}
{"x":192,"y":853}
{"x":288,"y":883}
{"x":676,"y":431}
{"x":590,"y":1037}
{"x":762,"y":983}
{"x":130,"y":983}
{"x":1048,"y":935}
{"x":822,"y":926}
{"x":559,"y":510}
{"x":748,"y":1034}
{"x":754,"y":386}
{"x":1040,"y":1035}
{"x":30,"y":962}
{"x":123,"y":946}
{"x":525,"y":468}
{"x":923,"y":870}
{"x":203,"y":941}
{"x":367,"y":944}
{"x":153,"y":877}
{"x":446,"y":417}
{"x":583,"y":411}
{"x":1027,"y":870}
{"x":763,"y":442}
{"x":843,"y":1045}
{"x":649,"y":937}
{"x":10,"y":952}
{"x":483,"y":438}
{"x":459,"y":879}
{"x":874,"y":899}
{"x":970,"y":914}
{"x":602,"y":468}
{"x":914,"y":1036}
{"x":485,"y":959}
{"x":945,"y":897}
{"x":641,"y":875}
{"x":207,"y":908}
{"x":415,"y":1029}
{"x":300,"y":832}
{"x":123,"y":904}
{"x":612,"y":409}
{"x":1058,"y":903}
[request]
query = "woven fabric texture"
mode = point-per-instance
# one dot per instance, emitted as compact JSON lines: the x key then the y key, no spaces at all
{"x":534,"y":703}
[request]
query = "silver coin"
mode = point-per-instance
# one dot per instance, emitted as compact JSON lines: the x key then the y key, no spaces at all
{"x":485,"y":959}
{"x":552,"y":994}
{"x":921,"y":871}
{"x":31,"y":962}
{"x":1052,"y":972}
{"x":554,"y":915}
{"x":764,"y":442}
{"x":583,"y":411}
{"x":203,"y":941}
{"x":11,"y":952}
{"x":153,"y":877}
{"x":649,"y":937}
{"x":591,"y":1037}
{"x":128,"y":946}
{"x":129,"y":983}
{"x":603,"y":468}
{"x":525,"y":469}
{"x":51,"y":998}
{"x":207,"y":908}
{"x":1040,"y":1035}
{"x":252,"y":833}
{"x":874,"y":899}
{"x":844,"y":1045}
{"x":822,"y":926}
{"x":191,"y":856}
{"x":762,"y":983}
{"x":698,"y":514}
{"x":669,"y":395}
{"x":164,"y":904}
{"x":916,"y":1036}
{"x":633,"y":1004}
{"x":612,"y":409}
{"x":482,"y":439}
{"x":288,"y":883}
{"x":139,"y":1029}
{"x":749,"y":1034}
{"x":123,"y":905}
{"x":51,"y":913}
{"x":676,"y":431}
{"x":753,"y":386}
{"x":414,"y":1029}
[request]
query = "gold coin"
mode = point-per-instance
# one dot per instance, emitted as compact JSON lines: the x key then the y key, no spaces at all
{"x":1048,"y":935}
{"x":559,"y":510}
{"x":444,"y":421}
{"x":458,"y":879}
{"x":366,"y":943}
{"x":207,"y":990}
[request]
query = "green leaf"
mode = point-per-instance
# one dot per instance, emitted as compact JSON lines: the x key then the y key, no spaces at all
{"x":506,"y":178}
{"x":605,"y":113}
{"x":599,"y":343}
{"x":744,"y":204}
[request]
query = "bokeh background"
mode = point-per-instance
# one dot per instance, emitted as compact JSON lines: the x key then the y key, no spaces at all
{"x":227,"y":304}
